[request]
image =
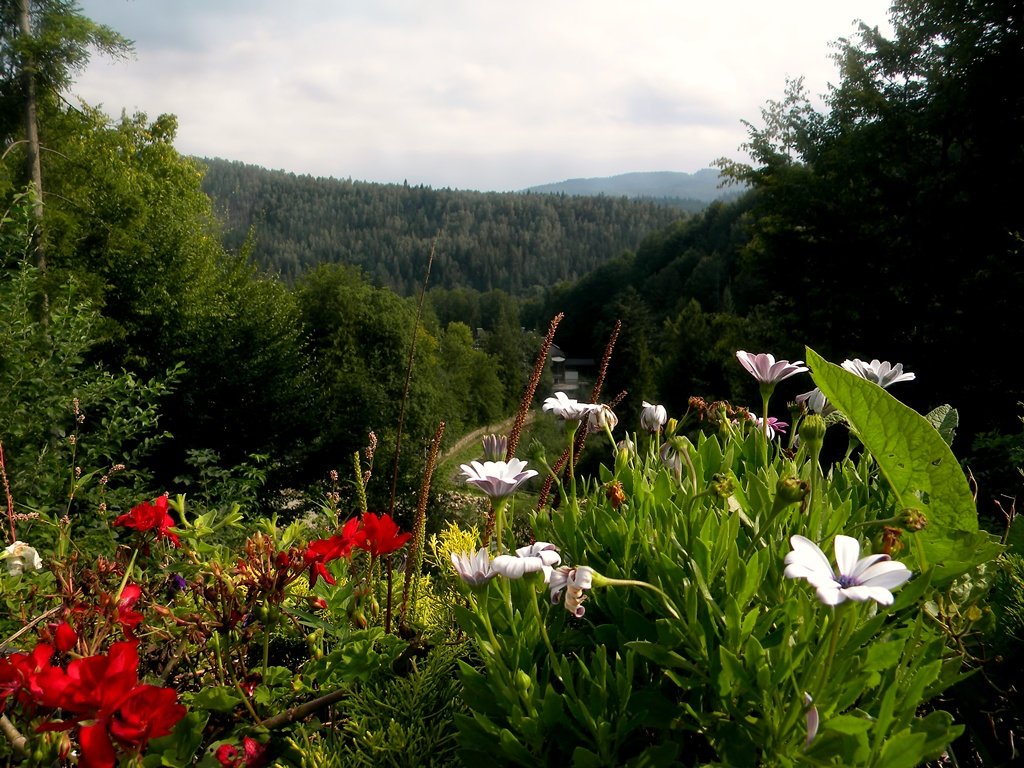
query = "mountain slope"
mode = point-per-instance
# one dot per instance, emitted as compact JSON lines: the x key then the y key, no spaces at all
{"x":510,"y":241}
{"x":702,"y":186}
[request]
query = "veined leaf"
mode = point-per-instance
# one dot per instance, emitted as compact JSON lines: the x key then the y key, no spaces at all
{"x":911,"y":454}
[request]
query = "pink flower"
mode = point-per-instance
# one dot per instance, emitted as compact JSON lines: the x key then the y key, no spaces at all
{"x":766,"y":370}
{"x":497,"y":479}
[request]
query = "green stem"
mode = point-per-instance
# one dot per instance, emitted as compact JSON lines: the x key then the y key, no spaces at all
{"x":605,"y":581}
{"x":266,"y":645}
{"x":486,"y":617}
{"x":573,"y":426}
{"x":127,"y":575}
{"x":543,"y":628}
{"x":690,"y":469}
{"x":499,"y":520}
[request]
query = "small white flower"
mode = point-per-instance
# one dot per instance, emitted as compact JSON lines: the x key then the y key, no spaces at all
{"x":859,"y":579}
{"x":816,"y":402}
{"x":653,"y":417}
{"x":497,"y":478}
{"x":671,"y":459}
{"x":574,"y":581}
{"x":812,"y":719}
{"x":766,"y":370}
{"x":566,"y":408}
{"x":21,"y":557}
{"x":881,"y":373}
{"x":474,"y":569}
{"x":541,"y":557}
{"x":600,"y":418}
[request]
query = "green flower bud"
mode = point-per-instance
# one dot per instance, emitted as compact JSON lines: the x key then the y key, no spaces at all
{"x":913,"y":519}
{"x":523,"y":681}
{"x":723,"y":485}
{"x":812,"y":429}
{"x":791,"y":490}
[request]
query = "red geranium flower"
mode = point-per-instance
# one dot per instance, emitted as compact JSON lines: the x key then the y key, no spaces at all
{"x":379,"y":535}
{"x":150,"y":517}
{"x":323,"y":551}
{"x":126,"y":617}
{"x":145,"y":712}
{"x":41,"y":683}
{"x":10,"y":681}
{"x":255,"y":754}
{"x":64,"y":637}
{"x":106,"y":690}
{"x":148,"y":712}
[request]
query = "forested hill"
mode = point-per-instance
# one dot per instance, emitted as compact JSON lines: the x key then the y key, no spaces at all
{"x":689,"y":191}
{"x":509,"y":241}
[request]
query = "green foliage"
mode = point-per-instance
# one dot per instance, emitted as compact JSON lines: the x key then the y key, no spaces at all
{"x":394,"y":721}
{"x":485,"y":241}
{"x":694,"y":650}
{"x":59,"y":46}
{"x":916,"y":462}
{"x":59,"y":411}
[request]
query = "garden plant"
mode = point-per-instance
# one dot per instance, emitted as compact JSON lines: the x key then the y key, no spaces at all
{"x":718,"y":594}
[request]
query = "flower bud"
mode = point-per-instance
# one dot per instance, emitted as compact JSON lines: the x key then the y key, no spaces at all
{"x":723,"y":485}
{"x":812,"y":430}
{"x":913,"y":519}
{"x":891,"y":543}
{"x":495,"y":447}
{"x":523,"y":681}
{"x":791,"y":490}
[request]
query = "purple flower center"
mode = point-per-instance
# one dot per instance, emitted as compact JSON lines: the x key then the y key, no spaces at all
{"x":847,"y":581}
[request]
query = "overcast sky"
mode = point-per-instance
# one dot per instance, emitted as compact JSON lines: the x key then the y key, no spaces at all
{"x":468,"y":94}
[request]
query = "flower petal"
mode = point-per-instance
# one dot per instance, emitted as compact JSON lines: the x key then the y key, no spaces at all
{"x":880,"y":595}
{"x":806,"y":560}
{"x":865,"y":564}
{"x":831,"y":595}
{"x":847,"y":554}
{"x":887,"y":574}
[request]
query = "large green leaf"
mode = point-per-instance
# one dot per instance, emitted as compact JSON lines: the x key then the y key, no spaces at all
{"x":913,"y":458}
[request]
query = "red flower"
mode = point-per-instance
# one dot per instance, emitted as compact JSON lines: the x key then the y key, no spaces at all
{"x":126,"y":617}
{"x":98,"y":683}
{"x":64,"y":637}
{"x":131,"y":719}
{"x":149,"y":517}
{"x":41,"y":683}
{"x":255,"y":755}
{"x":148,"y":712}
{"x":379,"y":535}
{"x":323,"y":551}
{"x":106,"y":690}
{"x":10,"y":681}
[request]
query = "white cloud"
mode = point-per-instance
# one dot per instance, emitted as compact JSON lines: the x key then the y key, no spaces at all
{"x":465,"y":94}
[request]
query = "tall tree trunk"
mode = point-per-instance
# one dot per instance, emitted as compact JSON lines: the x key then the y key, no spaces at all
{"x":34,"y":170}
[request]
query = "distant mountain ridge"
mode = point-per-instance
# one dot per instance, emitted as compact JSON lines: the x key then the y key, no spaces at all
{"x":702,"y":186}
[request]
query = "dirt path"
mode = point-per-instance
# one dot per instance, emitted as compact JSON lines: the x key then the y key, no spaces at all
{"x":501,"y":428}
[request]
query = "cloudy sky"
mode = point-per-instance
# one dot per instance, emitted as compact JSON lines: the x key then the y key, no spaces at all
{"x":468,"y":94}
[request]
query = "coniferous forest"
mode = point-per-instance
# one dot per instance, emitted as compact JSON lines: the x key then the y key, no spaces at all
{"x":243,"y":336}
